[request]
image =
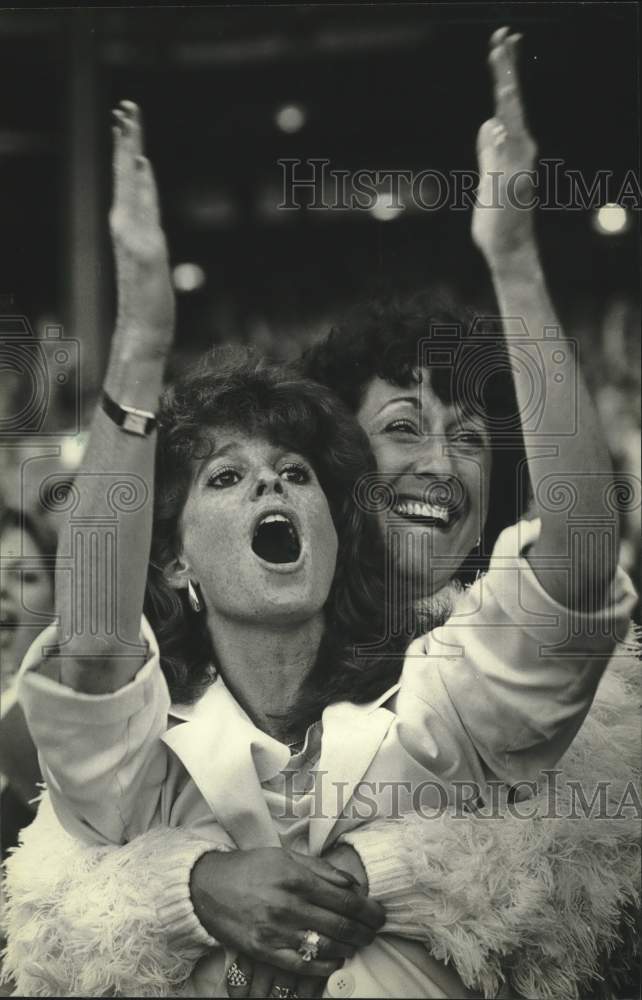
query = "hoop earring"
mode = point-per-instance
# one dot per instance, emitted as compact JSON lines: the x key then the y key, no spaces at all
{"x":478,"y":548}
{"x":192,"y":596}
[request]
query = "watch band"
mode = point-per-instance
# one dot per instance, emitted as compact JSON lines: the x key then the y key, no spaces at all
{"x":128,"y":418}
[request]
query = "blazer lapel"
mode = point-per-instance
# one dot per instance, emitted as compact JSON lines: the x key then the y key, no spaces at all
{"x":352,"y":734}
{"x":228,"y":758}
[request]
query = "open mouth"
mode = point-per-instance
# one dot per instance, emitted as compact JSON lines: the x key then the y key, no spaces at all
{"x":276,"y":539}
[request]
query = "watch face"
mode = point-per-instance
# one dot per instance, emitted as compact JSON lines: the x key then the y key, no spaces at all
{"x":135,"y":423}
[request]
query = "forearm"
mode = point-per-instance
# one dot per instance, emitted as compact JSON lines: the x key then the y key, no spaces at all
{"x":489,"y":893}
{"x":567,"y":450}
{"x":104,"y":547}
{"x":521,"y":291}
{"x":458,"y":911}
{"x":388,"y":872}
{"x":576,"y":555}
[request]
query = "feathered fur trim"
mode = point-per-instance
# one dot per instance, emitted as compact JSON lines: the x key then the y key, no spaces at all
{"x":549,"y":903}
{"x":544,"y":902}
{"x":77,"y":922}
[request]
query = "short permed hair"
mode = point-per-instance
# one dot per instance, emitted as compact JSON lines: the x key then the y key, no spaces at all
{"x":389,"y":340}
{"x":232,"y":388}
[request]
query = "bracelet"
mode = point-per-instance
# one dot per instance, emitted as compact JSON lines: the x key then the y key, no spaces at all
{"x":128,"y":418}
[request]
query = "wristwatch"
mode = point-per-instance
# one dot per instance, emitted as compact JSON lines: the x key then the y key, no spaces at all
{"x":128,"y":418}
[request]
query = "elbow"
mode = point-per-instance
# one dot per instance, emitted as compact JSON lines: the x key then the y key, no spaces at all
{"x":95,"y":665}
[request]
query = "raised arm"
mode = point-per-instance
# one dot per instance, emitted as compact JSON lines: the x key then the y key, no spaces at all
{"x":107,"y":538}
{"x":567,"y":451}
{"x":93,"y":695}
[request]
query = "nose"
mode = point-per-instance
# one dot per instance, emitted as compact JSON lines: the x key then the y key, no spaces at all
{"x":432,"y":471}
{"x":269,"y":482}
{"x":433,"y":457}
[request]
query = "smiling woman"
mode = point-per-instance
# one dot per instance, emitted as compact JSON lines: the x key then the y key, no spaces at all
{"x":440,"y":461}
{"x":433,"y":389}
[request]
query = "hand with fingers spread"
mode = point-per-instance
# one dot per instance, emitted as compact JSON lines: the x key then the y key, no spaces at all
{"x":247,"y":978}
{"x":145,"y":294}
{"x":503,"y":215}
{"x":262,"y":902}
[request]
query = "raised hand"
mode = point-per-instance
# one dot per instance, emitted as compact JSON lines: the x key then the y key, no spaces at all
{"x":502,"y":219}
{"x":145,"y":295}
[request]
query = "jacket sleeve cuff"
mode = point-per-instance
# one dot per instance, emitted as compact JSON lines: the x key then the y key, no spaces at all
{"x":391,"y":877}
{"x":46,"y":699}
{"x":176,"y":913}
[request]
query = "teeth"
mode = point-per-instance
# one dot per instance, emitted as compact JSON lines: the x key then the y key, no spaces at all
{"x":276,"y":519}
{"x":272,"y":518}
{"x":412,"y":508}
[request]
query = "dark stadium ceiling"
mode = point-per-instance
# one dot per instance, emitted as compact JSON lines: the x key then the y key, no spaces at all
{"x":376,"y":86}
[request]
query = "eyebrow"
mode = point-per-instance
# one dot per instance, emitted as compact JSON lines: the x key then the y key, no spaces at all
{"x":218,"y":453}
{"x":399,"y":399}
{"x":469,"y":413}
{"x":466,"y":413}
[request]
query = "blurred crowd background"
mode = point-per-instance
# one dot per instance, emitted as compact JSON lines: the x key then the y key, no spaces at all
{"x":229,"y":91}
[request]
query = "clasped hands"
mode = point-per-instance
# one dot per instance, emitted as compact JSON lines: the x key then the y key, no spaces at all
{"x":261,"y":902}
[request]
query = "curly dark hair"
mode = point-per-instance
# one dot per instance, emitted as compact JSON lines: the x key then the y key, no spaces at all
{"x":232,"y":388}
{"x":469,"y":367}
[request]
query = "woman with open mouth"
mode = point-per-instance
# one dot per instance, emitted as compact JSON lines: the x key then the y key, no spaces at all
{"x":251,"y":526}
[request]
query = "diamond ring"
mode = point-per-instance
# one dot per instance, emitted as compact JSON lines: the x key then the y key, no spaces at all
{"x":309,"y":947}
